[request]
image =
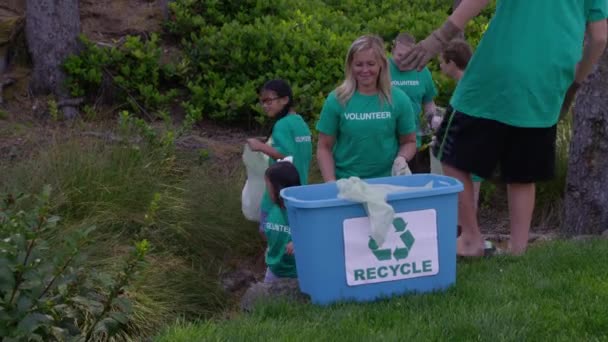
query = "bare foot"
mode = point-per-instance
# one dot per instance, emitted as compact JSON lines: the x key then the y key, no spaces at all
{"x":470,"y":247}
{"x":517,"y":250}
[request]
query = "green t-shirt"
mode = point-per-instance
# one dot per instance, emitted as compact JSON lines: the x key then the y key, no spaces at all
{"x":366,"y":131}
{"x":291,"y":137}
{"x":526,"y":61}
{"x":418,"y":85}
{"x":278,"y":235}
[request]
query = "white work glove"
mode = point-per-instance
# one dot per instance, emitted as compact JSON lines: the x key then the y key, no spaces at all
{"x":400,"y":167}
{"x":433,"y":119}
{"x":435,"y":122}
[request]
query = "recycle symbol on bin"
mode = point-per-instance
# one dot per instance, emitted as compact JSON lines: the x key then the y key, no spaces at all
{"x":400,"y":252}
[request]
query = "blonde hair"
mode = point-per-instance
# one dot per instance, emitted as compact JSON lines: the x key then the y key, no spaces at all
{"x":348,"y":87}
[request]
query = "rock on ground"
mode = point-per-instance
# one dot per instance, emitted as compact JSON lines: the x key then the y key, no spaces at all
{"x":283,"y":288}
{"x":237,"y":280}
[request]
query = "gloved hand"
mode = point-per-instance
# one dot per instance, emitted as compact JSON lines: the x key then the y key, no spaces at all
{"x":570,"y":95}
{"x":435,"y":122}
{"x":400,"y":167}
{"x":427,"y":49}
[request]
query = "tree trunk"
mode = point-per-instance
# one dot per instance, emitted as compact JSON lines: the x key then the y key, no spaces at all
{"x":52,"y":29}
{"x":586,"y":198}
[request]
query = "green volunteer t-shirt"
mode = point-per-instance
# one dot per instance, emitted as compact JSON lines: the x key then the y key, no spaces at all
{"x":291,"y":137}
{"x":526,"y":61}
{"x":366,"y":131}
{"x":418,"y":85}
{"x":278,"y":235}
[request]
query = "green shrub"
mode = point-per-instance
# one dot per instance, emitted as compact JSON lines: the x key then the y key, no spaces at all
{"x":192,"y":15}
{"x":233,"y":48}
{"x":236,"y":59}
{"x":85,"y":71}
{"x":133,"y":69}
{"x":46,"y":292}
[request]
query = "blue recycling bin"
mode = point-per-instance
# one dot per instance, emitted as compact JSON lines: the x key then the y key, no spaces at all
{"x":337,"y":260}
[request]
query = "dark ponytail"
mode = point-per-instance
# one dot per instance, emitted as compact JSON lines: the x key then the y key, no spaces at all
{"x":282,"y":89}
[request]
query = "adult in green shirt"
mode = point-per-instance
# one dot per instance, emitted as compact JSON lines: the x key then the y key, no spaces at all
{"x":367,"y":127}
{"x":420,"y":88}
{"x":507,"y":105}
{"x":290,"y":135}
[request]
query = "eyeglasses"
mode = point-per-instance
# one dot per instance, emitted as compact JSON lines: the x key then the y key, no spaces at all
{"x":268,"y":101}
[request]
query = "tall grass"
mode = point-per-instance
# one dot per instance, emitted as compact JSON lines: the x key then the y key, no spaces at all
{"x":189,"y":212}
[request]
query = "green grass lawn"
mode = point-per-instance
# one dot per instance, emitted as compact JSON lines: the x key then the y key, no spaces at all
{"x":558,"y":290}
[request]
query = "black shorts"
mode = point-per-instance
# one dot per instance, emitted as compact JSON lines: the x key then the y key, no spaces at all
{"x":479,"y":146}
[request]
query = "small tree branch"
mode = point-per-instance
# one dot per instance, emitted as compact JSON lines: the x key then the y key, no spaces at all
{"x":30,"y":248}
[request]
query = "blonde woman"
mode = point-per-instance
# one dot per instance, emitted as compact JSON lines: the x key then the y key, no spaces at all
{"x":367,"y":127}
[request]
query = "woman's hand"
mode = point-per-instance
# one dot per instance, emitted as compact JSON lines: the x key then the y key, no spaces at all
{"x":400,"y":167}
{"x":255,"y":144}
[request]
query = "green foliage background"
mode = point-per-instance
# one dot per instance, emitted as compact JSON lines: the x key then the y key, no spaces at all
{"x":234,"y":48}
{"x":228,"y":49}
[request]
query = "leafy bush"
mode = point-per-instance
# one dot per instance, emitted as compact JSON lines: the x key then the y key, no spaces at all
{"x":235,"y":59}
{"x":234,"y":47}
{"x":45,"y":290}
{"x":192,"y":15}
{"x":133,"y":69}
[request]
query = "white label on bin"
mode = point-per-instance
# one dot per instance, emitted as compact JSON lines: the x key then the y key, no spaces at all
{"x":409,"y":250}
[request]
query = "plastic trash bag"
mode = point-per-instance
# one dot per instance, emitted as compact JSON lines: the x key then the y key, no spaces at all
{"x":373,"y":198}
{"x":436,"y":167}
{"x":256,"y":164}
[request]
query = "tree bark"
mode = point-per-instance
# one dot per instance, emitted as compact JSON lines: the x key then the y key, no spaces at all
{"x":586,"y":198}
{"x":52,"y":29}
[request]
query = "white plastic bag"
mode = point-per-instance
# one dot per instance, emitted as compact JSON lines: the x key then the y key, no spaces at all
{"x":373,"y":197}
{"x":256,"y":164}
{"x":436,"y":167}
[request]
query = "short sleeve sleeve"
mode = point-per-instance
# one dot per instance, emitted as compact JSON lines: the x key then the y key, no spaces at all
{"x":282,"y":139}
{"x":598,"y":11}
{"x":329,"y":120}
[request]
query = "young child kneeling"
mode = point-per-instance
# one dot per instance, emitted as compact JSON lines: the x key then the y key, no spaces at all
{"x":280,"y":257}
